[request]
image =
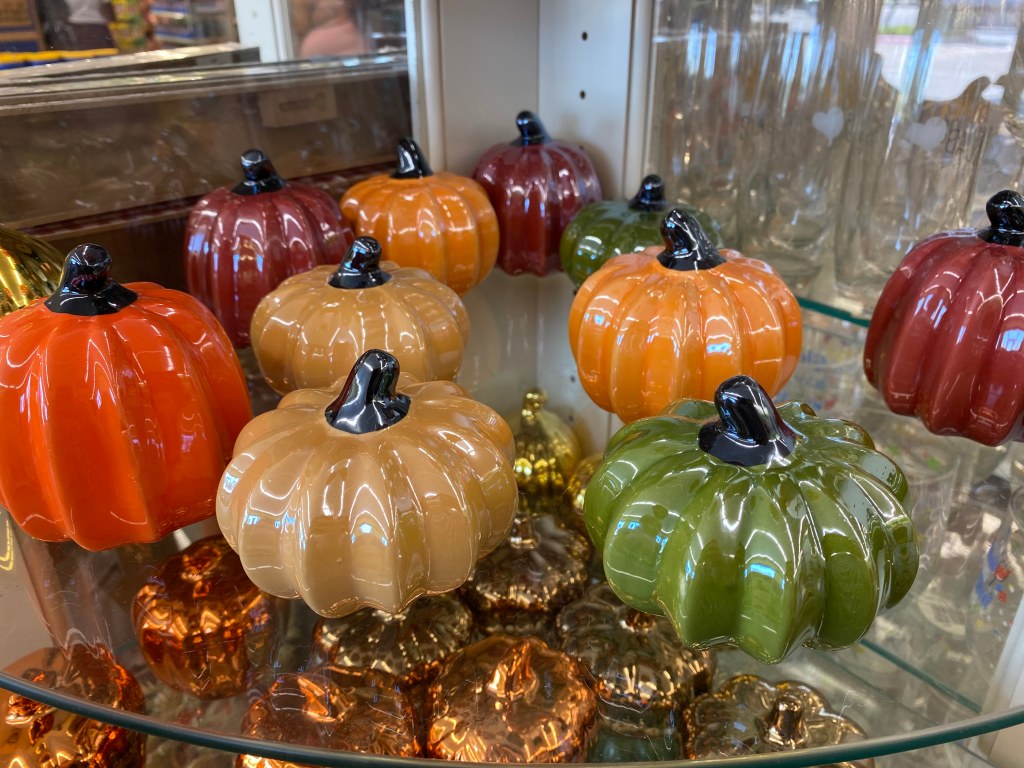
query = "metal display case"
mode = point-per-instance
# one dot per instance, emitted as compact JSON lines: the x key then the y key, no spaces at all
{"x":644,"y":85}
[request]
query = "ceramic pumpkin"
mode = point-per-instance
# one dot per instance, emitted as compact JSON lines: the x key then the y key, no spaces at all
{"x":606,"y":229}
{"x":29,"y":270}
{"x":440,"y":222}
{"x":536,"y":185}
{"x":202,"y":626}
{"x":37,"y":735}
{"x":547,"y":450}
{"x":510,"y":700}
{"x":240,"y":242}
{"x":135,"y":383}
{"x":751,"y":716}
{"x":753,"y":526}
{"x":361,"y":711}
{"x":945,"y":337}
{"x":371,"y":497}
{"x":308,"y":332}
{"x":642,"y":675}
{"x":653,"y":327}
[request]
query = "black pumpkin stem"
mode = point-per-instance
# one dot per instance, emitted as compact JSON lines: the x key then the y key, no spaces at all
{"x":784,"y":723}
{"x":1006,"y":212}
{"x":749,"y":431}
{"x":85,"y":287}
{"x":411,"y":162}
{"x":368,"y":402}
{"x":361,"y":266}
{"x":260,"y":175}
{"x":531,"y":130}
{"x":651,"y":196}
{"x":687,"y":246}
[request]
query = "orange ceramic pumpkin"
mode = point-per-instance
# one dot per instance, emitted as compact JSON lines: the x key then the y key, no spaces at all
{"x":369,"y":498}
{"x":440,"y":222}
{"x":120,"y":406}
{"x":673,"y":323}
{"x":309,"y":331}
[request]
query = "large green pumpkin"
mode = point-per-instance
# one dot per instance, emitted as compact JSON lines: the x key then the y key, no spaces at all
{"x":752,"y":526}
{"x":613,"y":227}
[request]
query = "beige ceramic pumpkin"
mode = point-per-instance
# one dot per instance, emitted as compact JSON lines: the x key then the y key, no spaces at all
{"x":388,"y":491}
{"x":308,"y":332}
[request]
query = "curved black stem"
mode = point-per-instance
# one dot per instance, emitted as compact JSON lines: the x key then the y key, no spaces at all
{"x":531,"y":130}
{"x":361,"y":266}
{"x":411,"y":162}
{"x":1006,"y":212}
{"x":85,"y":287}
{"x":651,"y":196}
{"x":260,"y":175}
{"x":749,"y":430}
{"x":368,"y":402}
{"x":687,"y":246}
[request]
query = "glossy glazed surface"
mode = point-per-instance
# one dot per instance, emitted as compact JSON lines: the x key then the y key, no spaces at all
{"x":410,"y":645}
{"x":34,"y":735}
{"x":644,"y":335}
{"x":29,"y":269}
{"x":509,"y":700}
{"x":362,"y":711}
{"x":749,"y":715}
{"x":440,"y":222}
{"x":520,"y":586}
{"x":804,"y":549}
{"x":603,"y":230}
{"x":307,"y":334}
{"x":946,"y":335}
{"x":642,"y":675}
{"x":203,"y":627}
{"x":346,"y":520}
{"x":536,"y":189}
{"x":547,"y":450}
{"x":239,"y":247}
{"x":146,"y":402}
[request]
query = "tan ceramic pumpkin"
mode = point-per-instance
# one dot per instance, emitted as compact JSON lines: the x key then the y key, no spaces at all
{"x":388,"y":491}
{"x":309,"y":331}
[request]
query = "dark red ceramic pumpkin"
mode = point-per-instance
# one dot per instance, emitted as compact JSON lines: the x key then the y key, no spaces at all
{"x":536,"y":185}
{"x":242,"y":241}
{"x":946,"y":340}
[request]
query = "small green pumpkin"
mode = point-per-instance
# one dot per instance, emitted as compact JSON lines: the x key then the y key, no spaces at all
{"x":613,"y":227}
{"x":751,"y":526}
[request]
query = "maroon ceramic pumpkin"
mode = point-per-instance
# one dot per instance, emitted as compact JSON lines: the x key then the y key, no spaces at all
{"x":946,"y":340}
{"x":536,"y":185}
{"x":242,"y":241}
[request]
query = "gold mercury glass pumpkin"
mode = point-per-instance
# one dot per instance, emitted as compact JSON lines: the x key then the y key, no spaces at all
{"x":547,"y":450}
{"x":29,"y":269}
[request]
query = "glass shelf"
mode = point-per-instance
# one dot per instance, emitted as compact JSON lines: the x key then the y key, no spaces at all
{"x":920,"y":679}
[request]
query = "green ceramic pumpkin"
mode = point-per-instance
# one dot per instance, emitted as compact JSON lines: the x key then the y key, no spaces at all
{"x":613,"y":227}
{"x":752,"y":526}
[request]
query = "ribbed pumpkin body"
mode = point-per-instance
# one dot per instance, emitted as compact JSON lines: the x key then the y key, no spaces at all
{"x":116,"y":427}
{"x":604,"y":230}
{"x":803,"y":549}
{"x":644,"y":335}
{"x":347,"y":521}
{"x":946,"y":335}
{"x":307,"y":334}
{"x":239,"y":247}
{"x":441,"y":222}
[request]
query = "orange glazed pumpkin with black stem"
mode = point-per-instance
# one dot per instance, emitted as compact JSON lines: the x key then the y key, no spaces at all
{"x":120,"y":406}
{"x":242,"y":241}
{"x":672,"y":323}
{"x":440,"y":222}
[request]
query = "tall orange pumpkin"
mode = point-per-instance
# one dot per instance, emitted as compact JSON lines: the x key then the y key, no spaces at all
{"x":120,"y":406}
{"x":673,"y":323}
{"x":440,"y":222}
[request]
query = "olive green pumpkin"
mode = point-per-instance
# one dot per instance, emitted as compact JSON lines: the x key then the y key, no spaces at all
{"x":751,"y":526}
{"x":613,"y":227}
